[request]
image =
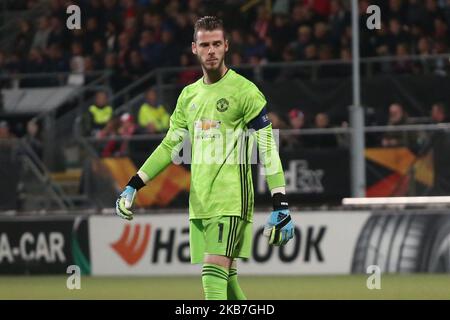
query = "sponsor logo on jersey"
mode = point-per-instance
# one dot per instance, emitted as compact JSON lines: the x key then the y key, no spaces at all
{"x":207,"y":124}
{"x":222,"y":105}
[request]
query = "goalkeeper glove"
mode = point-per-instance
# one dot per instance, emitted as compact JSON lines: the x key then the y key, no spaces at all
{"x":126,"y":198}
{"x":279,"y":227}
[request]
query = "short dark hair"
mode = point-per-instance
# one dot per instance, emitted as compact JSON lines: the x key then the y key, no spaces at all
{"x":208,"y":23}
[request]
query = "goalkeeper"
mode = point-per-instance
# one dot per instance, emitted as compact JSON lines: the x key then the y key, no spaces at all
{"x":222,"y":113}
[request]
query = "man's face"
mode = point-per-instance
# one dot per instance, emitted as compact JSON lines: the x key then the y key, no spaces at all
{"x":297,"y":122}
{"x":101,"y":99}
{"x":436,"y":114}
{"x":395,"y":113}
{"x":210,"y":49}
{"x":151,"y":96}
{"x":322,"y":120}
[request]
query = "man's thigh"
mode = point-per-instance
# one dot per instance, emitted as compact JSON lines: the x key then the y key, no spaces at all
{"x":228,"y":236}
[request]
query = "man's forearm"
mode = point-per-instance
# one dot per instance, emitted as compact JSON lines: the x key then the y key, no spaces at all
{"x":157,"y":162}
{"x":162,"y":156}
{"x":271,"y":160}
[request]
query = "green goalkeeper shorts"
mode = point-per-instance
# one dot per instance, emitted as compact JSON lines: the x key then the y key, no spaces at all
{"x":228,"y":236}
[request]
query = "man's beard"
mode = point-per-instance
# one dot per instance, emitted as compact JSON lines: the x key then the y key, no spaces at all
{"x":217,"y":65}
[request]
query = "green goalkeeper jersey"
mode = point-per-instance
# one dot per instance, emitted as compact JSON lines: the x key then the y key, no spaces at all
{"x":215,"y":116}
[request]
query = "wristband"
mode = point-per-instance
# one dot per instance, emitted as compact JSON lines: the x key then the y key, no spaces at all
{"x":279,"y":201}
{"x":136,"y":182}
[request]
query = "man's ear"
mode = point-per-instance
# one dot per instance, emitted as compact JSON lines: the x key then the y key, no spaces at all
{"x":194,"y":48}
{"x":226,"y":45}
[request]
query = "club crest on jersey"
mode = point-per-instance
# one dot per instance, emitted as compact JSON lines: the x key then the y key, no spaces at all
{"x":222,"y":105}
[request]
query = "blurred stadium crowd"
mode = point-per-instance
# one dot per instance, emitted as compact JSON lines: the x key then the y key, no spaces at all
{"x":132,"y":37}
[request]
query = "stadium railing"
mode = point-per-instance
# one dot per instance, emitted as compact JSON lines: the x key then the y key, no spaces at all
{"x":406,"y":169}
{"x":165,"y":80}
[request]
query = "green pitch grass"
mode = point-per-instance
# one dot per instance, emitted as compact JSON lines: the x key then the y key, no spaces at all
{"x":422,"y":286}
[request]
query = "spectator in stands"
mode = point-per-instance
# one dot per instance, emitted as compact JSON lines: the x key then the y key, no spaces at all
{"x":111,"y":130}
{"x":135,"y":67}
{"x":5,"y":132}
{"x":56,"y":59}
{"x":124,"y":50}
{"x":237,"y":44}
{"x":297,"y":122}
{"x":127,"y":128}
{"x":262,"y":24}
{"x":23,"y":39}
{"x":35,"y":62}
{"x":287,"y":72}
{"x":441,"y":66}
{"x":337,"y":21}
{"x":3,"y":82}
{"x":13,"y":64}
{"x":152,"y":116}
{"x":77,"y":58}
{"x":423,"y":49}
{"x":89,"y":68}
{"x":91,"y":33}
{"x":397,"y":117}
{"x":130,"y":28}
{"x":116,"y":80}
{"x":170,"y":48}
{"x":296,"y":119}
{"x":396,"y":35}
{"x":280,"y":32}
{"x":277,"y":121}
{"x":110,"y":36}
{"x":321,"y":36}
{"x":304,"y":38}
{"x":188,"y":76}
{"x":32,"y":137}
{"x":77,"y":65}
{"x":100,"y":113}
{"x":236,"y":59}
{"x":150,"y":49}
{"x":58,"y":32}
{"x":403,"y":64}
{"x":98,"y":54}
{"x":438,"y":142}
{"x":40,"y":40}
{"x":439,"y":113}
{"x":322,"y":121}
{"x":253,"y":47}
